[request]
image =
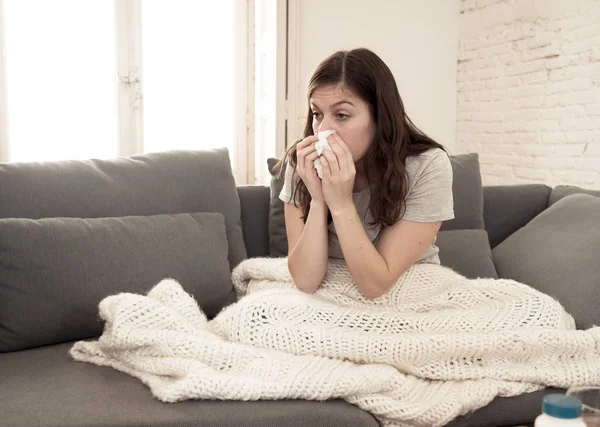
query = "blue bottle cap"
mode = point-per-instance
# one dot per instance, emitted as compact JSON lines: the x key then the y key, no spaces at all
{"x":561,"y":406}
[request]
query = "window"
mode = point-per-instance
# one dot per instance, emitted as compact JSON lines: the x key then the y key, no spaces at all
{"x":100,"y":78}
{"x":188,"y":64}
{"x":60,"y":79}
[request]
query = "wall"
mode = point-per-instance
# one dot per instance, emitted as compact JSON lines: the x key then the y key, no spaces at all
{"x":418,"y":40}
{"x":529,"y":90}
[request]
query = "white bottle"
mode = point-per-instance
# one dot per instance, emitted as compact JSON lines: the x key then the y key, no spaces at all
{"x":560,"y":410}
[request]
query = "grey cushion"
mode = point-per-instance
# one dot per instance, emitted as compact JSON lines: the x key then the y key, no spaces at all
{"x":45,"y":387}
{"x":146,"y":184}
{"x":468,"y":194}
{"x":557,"y":253}
{"x":561,"y":191}
{"x":55,"y":271}
{"x":466,"y":187}
{"x":254,"y":200}
{"x":468,"y":252}
{"x":506,"y":208}
{"x":278,"y":246}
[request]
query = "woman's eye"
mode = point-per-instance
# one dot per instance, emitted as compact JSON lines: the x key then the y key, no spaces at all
{"x":315,"y":114}
{"x":341,"y":116}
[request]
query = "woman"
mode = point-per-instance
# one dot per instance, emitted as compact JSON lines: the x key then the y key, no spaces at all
{"x":386,"y":186}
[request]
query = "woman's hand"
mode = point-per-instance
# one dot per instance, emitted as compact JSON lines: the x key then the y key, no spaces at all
{"x":306,"y":155}
{"x":338,"y":174}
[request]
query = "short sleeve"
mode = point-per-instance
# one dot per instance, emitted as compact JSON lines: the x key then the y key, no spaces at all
{"x":286,"y":192}
{"x":431,"y":199}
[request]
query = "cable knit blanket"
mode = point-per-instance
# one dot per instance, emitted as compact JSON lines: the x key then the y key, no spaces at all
{"x":435,"y":346}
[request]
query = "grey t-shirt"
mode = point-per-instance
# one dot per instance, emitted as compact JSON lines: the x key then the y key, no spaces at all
{"x":429,"y":199}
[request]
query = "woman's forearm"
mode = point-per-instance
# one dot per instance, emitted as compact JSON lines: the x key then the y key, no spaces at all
{"x":308,"y":259}
{"x":367,"y":267}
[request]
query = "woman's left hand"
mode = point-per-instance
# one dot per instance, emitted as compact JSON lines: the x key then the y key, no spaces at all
{"x":338,"y":174}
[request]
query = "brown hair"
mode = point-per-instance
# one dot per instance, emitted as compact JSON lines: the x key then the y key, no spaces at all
{"x":396,"y":136}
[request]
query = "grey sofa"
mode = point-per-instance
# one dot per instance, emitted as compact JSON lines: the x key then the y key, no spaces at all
{"x":498,"y":232}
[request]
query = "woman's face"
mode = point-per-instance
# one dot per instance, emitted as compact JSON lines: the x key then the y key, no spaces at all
{"x":338,"y":108}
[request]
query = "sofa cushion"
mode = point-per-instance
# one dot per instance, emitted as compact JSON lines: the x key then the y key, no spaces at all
{"x":516,"y":411}
{"x":561,"y":191}
{"x":55,"y":271}
{"x":557,"y":253}
{"x":467,"y":252}
{"x":254,"y":201}
{"x":466,"y":188}
{"x":278,"y":246}
{"x":468,"y":194}
{"x":45,"y":387}
{"x":147,"y":184}
{"x":506,"y":208}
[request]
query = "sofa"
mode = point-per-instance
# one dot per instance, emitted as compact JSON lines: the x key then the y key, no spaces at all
{"x":73,"y":232}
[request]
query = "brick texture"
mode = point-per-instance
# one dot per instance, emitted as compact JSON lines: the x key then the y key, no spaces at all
{"x":529,"y":90}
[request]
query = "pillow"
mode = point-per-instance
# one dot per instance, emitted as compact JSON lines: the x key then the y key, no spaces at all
{"x":278,"y":246}
{"x":561,"y":191}
{"x":467,"y":191}
{"x":468,"y":252}
{"x":254,"y":201}
{"x":54,"y":272}
{"x":466,"y":187}
{"x":169,"y":182}
{"x":557,"y":253}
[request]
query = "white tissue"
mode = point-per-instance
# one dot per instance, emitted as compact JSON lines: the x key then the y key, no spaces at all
{"x":321,"y":145}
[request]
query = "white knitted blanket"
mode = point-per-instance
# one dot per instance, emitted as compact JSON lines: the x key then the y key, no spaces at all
{"x":435,"y":346}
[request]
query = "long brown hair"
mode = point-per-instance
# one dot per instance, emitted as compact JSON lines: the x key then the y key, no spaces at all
{"x":396,"y":136}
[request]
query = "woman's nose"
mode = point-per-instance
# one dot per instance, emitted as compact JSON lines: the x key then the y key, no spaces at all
{"x":326,"y":124}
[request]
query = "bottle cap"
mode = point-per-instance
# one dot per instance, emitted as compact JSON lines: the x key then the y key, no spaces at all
{"x":561,"y":406}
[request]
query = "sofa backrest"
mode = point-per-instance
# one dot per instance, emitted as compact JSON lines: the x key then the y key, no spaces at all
{"x":506,"y":209}
{"x":172,"y":182}
{"x":562,"y":191}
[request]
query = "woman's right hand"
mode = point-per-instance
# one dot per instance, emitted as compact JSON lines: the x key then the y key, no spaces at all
{"x":306,"y":155}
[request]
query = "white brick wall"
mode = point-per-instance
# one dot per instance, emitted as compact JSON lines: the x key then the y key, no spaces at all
{"x":529,"y":90}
